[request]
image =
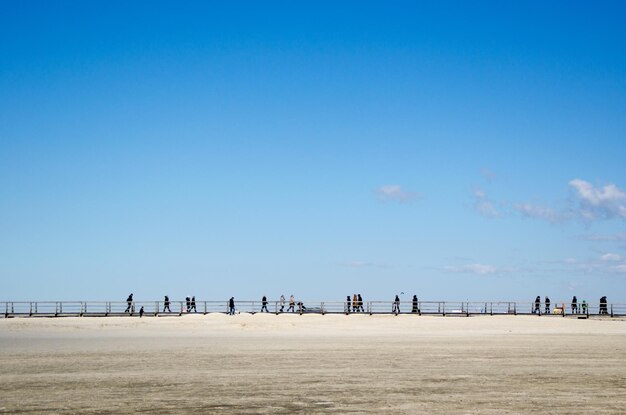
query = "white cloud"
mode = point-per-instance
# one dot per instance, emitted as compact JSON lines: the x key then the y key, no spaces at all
{"x":396,"y":193}
{"x":479,"y":269}
{"x":611,"y":257}
{"x":606,"y":202}
{"x":483,"y":205}
{"x":620,"y":268}
{"x":538,"y":212}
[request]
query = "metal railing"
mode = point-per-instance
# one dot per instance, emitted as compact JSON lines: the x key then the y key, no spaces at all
{"x":179,"y":308}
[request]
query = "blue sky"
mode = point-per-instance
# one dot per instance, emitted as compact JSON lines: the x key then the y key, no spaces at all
{"x":449,"y":149}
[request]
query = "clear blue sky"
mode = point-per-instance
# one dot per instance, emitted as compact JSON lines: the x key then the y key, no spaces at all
{"x":455,"y":150}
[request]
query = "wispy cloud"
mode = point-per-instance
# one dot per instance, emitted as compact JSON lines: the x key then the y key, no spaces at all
{"x":588,"y":203}
{"x":484,"y":205}
{"x":599,"y":202}
{"x":478,"y":269}
{"x":395,"y":192}
{"x":611,"y":257}
{"x":530,"y":210}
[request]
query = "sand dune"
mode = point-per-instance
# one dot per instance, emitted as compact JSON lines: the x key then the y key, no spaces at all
{"x":265,"y":363}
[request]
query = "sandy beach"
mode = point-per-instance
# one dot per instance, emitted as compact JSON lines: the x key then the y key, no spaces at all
{"x":265,"y":363}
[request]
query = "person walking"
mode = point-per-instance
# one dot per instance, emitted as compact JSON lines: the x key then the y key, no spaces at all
{"x":282,"y":303}
{"x":264,"y":304}
{"x":292,"y":303}
{"x":574,"y":305}
{"x":414,"y":309}
{"x":166,"y":304}
{"x":348,"y":304}
{"x":188,"y":303}
{"x":583,"y":307}
{"x":547,"y":302}
{"x":396,"y":305}
{"x":193,"y":304}
{"x":537,"y":305}
{"x":141,"y":312}
{"x":360,"y":300}
{"x":603,"y":306}
{"x":355,"y":303}
{"x":231,"y":306}
{"x":129,"y":301}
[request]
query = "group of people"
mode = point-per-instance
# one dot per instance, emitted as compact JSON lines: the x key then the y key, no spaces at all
{"x":354,"y":304}
{"x":357,"y":304}
{"x":583,"y":309}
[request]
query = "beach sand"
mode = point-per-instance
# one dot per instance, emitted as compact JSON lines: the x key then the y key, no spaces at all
{"x":265,"y":363}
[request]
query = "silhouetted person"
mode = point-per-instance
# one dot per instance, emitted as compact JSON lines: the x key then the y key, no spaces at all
{"x":231,"y":306}
{"x":414,"y":310}
{"x":141,"y":312}
{"x":301,"y":307}
{"x":188,"y":303}
{"x":537,"y":305}
{"x":547,"y":301}
{"x":355,"y":303}
{"x":574,"y":305}
{"x":583,"y":307}
{"x":193,"y":304}
{"x":129,"y":301}
{"x":603,"y":306}
{"x":264,"y":304}
{"x":282,"y":303}
{"x":292,"y":303}
{"x":166,"y":304}
{"x":396,"y":305}
{"x":360,"y":300}
{"x":348,"y":304}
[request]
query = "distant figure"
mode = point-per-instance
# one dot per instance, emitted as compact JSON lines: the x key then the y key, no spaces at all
{"x":583,"y":307}
{"x":360,"y":300}
{"x":129,"y":301}
{"x":193,"y":304}
{"x":264,"y":304}
{"x":231,"y":306}
{"x":301,"y":307}
{"x":547,"y":301}
{"x":414,"y":309}
{"x":166,"y":304}
{"x":537,"y":308}
{"x":396,"y":305}
{"x":292,"y":303}
{"x":141,"y":312}
{"x":282,"y":303}
{"x":188,"y":303}
{"x":603,"y":306}
{"x":574,"y":305}
{"x":355,"y":303}
{"x":348,"y":304}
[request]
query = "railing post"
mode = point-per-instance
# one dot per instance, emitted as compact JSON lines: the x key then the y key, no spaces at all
{"x":419,"y":308}
{"x":467,"y":309}
{"x":30,"y":308}
{"x":611,"y":310}
{"x":444,"y":308}
{"x":276,"y":307}
{"x":514,"y":309}
{"x":322,"y":308}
